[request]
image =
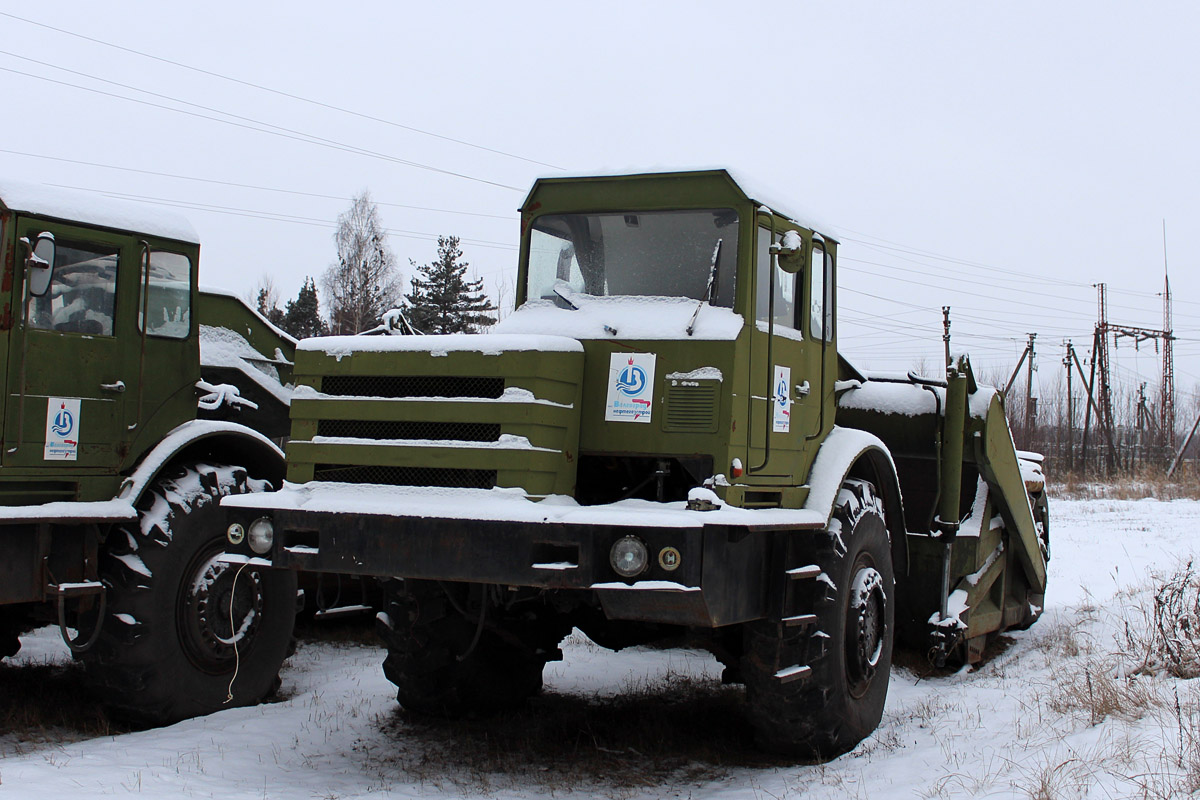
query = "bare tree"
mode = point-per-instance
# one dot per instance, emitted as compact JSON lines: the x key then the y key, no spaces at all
{"x":364,"y":282}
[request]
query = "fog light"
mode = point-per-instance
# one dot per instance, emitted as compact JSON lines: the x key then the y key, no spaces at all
{"x":235,"y":534}
{"x":628,"y":556}
{"x":261,"y":535}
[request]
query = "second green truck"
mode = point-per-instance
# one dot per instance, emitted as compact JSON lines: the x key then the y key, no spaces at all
{"x":661,"y":440}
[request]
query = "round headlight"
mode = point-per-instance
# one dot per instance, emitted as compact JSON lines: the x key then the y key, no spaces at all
{"x":261,"y":535}
{"x":236,"y":534}
{"x":628,"y":556}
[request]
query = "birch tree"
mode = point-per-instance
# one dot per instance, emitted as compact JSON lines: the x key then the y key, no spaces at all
{"x":364,"y":282}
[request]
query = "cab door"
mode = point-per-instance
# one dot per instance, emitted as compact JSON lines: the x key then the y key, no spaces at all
{"x":68,"y":373}
{"x":785,"y":374}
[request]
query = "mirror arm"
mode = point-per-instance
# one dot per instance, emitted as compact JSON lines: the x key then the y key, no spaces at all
{"x":24,"y":346}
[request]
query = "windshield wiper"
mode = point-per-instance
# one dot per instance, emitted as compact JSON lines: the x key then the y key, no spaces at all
{"x":558,"y":290}
{"x":708,"y":290}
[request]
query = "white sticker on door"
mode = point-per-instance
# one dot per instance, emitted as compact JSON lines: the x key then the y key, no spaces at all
{"x":781,"y":399}
{"x":62,"y":429}
{"x":630,"y":387}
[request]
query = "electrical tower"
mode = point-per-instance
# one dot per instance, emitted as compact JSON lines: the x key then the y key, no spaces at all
{"x":1102,"y":364}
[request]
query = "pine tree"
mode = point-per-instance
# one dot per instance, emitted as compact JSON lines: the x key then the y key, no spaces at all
{"x":442,"y":300}
{"x":267,"y":305}
{"x":303,"y":317}
{"x":363,"y":283}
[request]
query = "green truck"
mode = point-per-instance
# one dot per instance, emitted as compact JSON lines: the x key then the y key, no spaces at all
{"x":660,"y":442}
{"x":132,"y":403}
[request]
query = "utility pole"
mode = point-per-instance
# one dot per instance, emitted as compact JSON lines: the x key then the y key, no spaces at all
{"x":1070,"y":407}
{"x":1030,"y":411}
{"x":946,"y":332}
{"x":1026,"y":353}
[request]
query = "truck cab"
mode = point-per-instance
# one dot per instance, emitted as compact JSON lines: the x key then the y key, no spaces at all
{"x":109,"y":475}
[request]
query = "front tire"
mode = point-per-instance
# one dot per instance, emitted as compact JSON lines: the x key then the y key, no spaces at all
{"x":446,"y":660}
{"x":826,"y":710}
{"x":181,"y":625}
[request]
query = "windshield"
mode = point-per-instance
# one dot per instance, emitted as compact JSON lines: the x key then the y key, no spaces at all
{"x":659,"y":253}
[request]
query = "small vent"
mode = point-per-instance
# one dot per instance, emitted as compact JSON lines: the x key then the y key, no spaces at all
{"x":411,"y":386}
{"x":691,"y":407}
{"x":408,"y":476}
{"x":388,"y":429}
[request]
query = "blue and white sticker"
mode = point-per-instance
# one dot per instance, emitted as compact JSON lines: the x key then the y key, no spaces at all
{"x":630,"y":387}
{"x":781,"y":399}
{"x":62,"y":429}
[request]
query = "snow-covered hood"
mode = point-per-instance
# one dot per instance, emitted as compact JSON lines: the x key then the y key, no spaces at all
{"x":440,"y":345}
{"x":625,"y":317}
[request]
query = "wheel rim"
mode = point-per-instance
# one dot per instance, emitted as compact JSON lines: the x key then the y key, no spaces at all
{"x":205,"y":597}
{"x":866,"y":628}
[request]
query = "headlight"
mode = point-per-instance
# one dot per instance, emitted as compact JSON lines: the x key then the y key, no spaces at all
{"x":236,"y":534}
{"x":261,"y":535}
{"x":628,"y":556}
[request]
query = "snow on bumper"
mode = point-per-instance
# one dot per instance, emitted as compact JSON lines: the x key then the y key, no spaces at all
{"x":697,"y":560}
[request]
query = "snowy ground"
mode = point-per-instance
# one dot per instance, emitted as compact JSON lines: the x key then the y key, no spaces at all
{"x":1050,"y":716}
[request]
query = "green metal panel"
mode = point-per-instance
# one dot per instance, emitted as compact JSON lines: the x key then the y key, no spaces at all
{"x":437,"y":403}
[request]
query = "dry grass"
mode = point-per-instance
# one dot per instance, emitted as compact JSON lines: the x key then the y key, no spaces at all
{"x":50,"y":703}
{"x":1166,"y":635}
{"x":1145,"y":482}
{"x":1095,"y":690}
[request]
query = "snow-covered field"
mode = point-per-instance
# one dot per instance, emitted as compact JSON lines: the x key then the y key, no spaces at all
{"x":1052,"y":715}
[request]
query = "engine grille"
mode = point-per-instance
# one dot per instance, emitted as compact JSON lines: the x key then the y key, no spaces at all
{"x":390,"y":429}
{"x":411,"y":386}
{"x":407,"y":476}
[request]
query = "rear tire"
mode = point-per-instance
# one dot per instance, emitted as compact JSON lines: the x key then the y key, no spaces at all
{"x":167,"y":648}
{"x":827,"y":712}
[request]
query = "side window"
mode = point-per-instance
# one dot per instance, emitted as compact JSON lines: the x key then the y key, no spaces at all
{"x":82,"y":294}
{"x":785,"y":287}
{"x":819,"y":310}
{"x":167,"y":310}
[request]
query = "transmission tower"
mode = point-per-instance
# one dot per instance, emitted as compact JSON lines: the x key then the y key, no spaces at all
{"x":1167,"y":402}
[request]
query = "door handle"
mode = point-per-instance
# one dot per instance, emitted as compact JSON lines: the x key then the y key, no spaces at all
{"x":802,"y":389}
{"x":118,"y":387}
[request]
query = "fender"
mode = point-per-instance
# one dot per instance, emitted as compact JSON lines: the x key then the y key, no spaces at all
{"x":853,"y":453}
{"x":222,"y":441}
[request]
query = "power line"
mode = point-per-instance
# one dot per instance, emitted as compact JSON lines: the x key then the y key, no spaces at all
{"x":279,"y":92}
{"x":282,"y":133}
{"x":217,"y":182}
{"x":271,"y":215}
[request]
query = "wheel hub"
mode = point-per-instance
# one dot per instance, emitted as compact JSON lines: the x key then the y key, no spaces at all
{"x":865,"y":628}
{"x":219,"y":610}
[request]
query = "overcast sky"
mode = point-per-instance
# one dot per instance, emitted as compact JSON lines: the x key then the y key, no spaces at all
{"x":999,"y":158}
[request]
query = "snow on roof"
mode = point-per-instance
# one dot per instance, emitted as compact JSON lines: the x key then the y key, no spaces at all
{"x":440,"y":344}
{"x":275,"y":329}
{"x":95,"y":209}
{"x":624,"y":317}
{"x":760,"y":188}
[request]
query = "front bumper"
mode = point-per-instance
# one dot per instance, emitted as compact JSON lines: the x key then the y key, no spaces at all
{"x":699,"y":573}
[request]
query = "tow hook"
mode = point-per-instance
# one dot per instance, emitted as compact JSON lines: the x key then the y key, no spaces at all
{"x":65,"y":591}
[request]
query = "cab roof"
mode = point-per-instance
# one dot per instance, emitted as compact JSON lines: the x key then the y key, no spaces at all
{"x":752,"y":189}
{"x":94,"y":209}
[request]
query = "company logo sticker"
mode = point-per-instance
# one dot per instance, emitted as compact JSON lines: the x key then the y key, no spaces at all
{"x":62,"y":429}
{"x":630,"y":387}
{"x":781,"y":399}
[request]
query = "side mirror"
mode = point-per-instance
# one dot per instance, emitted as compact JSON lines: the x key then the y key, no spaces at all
{"x":40,"y":264}
{"x":788,"y":252}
